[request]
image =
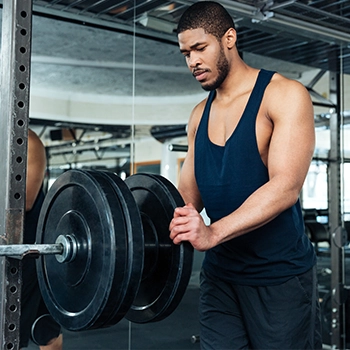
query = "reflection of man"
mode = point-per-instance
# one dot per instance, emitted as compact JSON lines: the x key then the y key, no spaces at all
{"x":250,"y":144}
{"x":31,"y":301}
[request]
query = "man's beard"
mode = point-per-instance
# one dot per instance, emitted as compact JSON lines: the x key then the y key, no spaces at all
{"x":222,"y":68}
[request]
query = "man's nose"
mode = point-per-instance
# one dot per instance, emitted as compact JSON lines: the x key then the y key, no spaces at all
{"x":194,"y":60}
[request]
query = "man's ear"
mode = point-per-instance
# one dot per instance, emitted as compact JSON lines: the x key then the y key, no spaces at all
{"x":230,"y":38}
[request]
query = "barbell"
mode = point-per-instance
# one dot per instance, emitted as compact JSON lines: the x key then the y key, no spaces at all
{"x":104,"y":250}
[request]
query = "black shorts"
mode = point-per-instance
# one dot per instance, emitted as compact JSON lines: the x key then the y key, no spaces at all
{"x":285,"y":316}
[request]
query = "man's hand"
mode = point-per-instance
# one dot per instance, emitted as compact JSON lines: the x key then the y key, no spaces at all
{"x":188,"y":225}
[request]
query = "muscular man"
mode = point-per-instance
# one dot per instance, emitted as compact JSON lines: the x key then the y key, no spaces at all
{"x":250,"y":144}
{"x":31,"y":302}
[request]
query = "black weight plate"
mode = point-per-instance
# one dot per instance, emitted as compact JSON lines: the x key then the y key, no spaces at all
{"x":131,"y":248}
{"x":78,"y":293}
{"x":167,"y":267}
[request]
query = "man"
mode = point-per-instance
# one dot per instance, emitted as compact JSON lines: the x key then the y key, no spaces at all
{"x":250,"y":144}
{"x":31,"y":303}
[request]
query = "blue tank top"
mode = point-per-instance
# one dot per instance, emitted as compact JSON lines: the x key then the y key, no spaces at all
{"x":226,"y":176}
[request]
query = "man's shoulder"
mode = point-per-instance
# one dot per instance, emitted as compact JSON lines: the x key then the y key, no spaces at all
{"x":279,"y":81}
{"x":286,"y":97}
{"x":283,"y":88}
{"x":199,"y":109}
{"x":196,"y":116}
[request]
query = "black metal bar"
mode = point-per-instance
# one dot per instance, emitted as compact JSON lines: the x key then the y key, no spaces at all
{"x":335,"y":219}
{"x":15,"y":78}
{"x":321,"y":104}
{"x":177,"y":148}
{"x":19,"y":251}
{"x":324,"y":101}
{"x":316,"y":78}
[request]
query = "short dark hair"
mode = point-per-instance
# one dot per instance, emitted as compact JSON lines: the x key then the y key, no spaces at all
{"x":209,"y":15}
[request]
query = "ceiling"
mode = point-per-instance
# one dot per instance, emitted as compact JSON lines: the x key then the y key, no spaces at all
{"x":106,"y":49}
{"x":308,"y":32}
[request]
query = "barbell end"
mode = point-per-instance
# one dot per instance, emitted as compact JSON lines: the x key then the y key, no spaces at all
{"x":194,"y":339}
{"x":64,"y":249}
{"x":69,"y":248}
{"x":21,"y":251}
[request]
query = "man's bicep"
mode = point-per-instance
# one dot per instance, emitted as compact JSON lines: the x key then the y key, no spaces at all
{"x":293,"y":141}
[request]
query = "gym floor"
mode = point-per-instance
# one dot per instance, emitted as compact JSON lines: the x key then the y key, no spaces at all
{"x":174,"y":332}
